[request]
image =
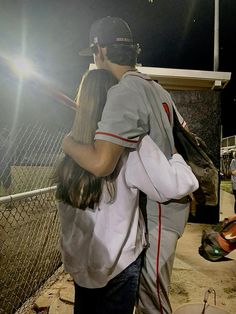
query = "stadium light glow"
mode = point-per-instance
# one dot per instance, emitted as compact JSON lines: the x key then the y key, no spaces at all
{"x":22,"y":67}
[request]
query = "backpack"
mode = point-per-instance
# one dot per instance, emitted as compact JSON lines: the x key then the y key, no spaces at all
{"x":195,"y":153}
{"x":219,"y":241}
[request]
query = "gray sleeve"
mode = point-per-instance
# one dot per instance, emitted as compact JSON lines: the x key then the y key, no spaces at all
{"x":124,"y":118}
{"x":166,"y":97}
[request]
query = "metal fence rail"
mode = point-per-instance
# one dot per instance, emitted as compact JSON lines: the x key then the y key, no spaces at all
{"x":28,"y":156}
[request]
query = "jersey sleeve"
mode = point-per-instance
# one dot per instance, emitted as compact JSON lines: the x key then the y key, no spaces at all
{"x":124,"y":118}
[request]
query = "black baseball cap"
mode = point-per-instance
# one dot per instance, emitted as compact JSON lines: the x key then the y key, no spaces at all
{"x":108,"y":30}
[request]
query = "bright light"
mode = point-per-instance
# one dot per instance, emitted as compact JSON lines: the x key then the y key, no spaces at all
{"x":22,"y":67}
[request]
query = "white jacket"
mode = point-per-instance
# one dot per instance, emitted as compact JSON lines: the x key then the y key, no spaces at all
{"x":161,"y":179}
{"x":98,"y":244}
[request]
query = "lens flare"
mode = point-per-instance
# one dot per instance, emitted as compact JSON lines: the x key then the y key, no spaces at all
{"x":22,"y":67}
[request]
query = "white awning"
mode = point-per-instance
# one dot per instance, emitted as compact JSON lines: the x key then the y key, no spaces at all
{"x":180,"y":79}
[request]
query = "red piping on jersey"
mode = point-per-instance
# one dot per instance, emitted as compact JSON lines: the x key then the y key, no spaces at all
{"x":167,"y":109}
{"x":158,"y":256}
{"x":119,"y":137}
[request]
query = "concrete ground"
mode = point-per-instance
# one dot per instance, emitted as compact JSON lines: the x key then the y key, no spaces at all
{"x":192,"y":275}
{"x":226,"y":205}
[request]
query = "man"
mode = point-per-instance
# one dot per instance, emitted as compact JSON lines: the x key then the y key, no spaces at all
{"x":134,"y":107}
{"x":233,"y":178}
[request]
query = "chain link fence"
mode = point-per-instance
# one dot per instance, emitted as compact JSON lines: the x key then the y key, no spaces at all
{"x":29,"y":224}
{"x":28,"y":156}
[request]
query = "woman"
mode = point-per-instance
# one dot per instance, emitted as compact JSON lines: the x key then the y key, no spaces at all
{"x":103,"y":231}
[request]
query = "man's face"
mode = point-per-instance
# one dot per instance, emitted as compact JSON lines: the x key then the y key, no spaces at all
{"x":100,"y":58}
{"x":97,"y":61}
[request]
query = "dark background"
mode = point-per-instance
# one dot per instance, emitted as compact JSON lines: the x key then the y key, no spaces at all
{"x":172,"y":34}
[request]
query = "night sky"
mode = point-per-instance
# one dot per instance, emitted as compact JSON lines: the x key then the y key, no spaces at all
{"x":172,"y":34}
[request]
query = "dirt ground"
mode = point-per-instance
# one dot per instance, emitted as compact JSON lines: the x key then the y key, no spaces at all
{"x":193,"y":275}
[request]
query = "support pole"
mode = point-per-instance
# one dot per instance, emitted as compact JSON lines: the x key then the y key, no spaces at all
{"x":216,"y":36}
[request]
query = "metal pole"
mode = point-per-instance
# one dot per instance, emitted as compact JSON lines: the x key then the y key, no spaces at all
{"x":20,"y":196}
{"x":216,"y":36}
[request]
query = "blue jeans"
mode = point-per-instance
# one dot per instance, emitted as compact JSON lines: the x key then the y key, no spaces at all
{"x":118,"y":296}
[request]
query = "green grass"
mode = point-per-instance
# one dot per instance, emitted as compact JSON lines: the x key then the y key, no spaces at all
{"x":226,"y":186}
{"x":28,"y":178}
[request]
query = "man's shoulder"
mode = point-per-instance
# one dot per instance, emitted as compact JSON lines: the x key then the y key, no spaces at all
{"x":127,"y":87}
{"x":135,"y":87}
{"x":132,"y":75}
{"x":135,"y":78}
{"x":141,"y":79}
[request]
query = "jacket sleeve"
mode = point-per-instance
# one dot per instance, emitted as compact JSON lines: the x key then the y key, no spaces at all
{"x":160,"y":179}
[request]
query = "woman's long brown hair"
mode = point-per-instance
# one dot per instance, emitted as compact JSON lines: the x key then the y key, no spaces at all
{"x":76,"y":186}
